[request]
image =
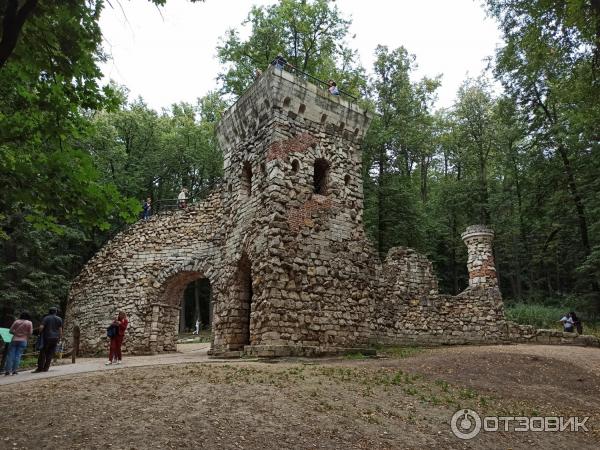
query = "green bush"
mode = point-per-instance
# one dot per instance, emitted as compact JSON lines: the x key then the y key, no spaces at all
{"x":540,"y":316}
{"x":543,"y":316}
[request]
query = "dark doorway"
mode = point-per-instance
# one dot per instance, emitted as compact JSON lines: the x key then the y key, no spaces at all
{"x":196,"y":306}
{"x":244,"y":293}
{"x":321,"y":176}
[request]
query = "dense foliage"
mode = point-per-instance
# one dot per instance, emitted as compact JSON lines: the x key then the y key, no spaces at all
{"x":77,"y":158}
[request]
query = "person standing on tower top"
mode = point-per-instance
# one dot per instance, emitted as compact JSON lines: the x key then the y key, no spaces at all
{"x":182,"y":198}
{"x":333,"y":89}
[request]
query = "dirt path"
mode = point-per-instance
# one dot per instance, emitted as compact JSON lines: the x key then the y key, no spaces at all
{"x":187,"y":353}
{"x":394,"y":402}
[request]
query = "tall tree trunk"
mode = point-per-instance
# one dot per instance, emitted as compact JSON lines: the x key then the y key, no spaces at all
{"x":197,"y":315}
{"x":380,"y":198}
{"x":182,"y":315}
{"x":12,"y":24}
{"x":424,"y":173}
{"x":577,"y":200}
{"x":484,"y":213}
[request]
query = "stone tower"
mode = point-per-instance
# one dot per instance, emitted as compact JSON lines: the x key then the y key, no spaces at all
{"x":293,"y":210}
{"x":480,"y":263}
{"x":282,"y":245}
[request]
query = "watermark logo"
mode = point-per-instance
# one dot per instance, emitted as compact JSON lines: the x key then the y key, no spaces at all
{"x":466,"y":424}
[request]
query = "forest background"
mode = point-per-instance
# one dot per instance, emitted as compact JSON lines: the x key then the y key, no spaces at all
{"x":77,"y":158}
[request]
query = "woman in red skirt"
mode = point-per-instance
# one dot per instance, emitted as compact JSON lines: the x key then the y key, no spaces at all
{"x":114,"y":356}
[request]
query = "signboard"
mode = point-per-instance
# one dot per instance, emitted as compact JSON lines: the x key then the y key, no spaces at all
{"x":5,"y":335}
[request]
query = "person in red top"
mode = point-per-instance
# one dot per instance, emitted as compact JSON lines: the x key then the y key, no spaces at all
{"x":114,"y":356}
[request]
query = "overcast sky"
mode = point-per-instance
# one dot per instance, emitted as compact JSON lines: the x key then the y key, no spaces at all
{"x":167,"y":55}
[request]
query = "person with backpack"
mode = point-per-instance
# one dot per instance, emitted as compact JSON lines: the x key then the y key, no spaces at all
{"x":116,"y":333}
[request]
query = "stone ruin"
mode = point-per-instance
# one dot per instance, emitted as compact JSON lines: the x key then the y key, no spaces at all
{"x":283,"y":246}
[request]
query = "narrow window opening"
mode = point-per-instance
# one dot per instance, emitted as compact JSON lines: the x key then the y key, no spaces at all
{"x":287,"y":101}
{"x":347,"y":180}
{"x":247,"y":178}
{"x":295,"y":166}
{"x":323,"y":118}
{"x":302,"y":108}
{"x":321,"y":176}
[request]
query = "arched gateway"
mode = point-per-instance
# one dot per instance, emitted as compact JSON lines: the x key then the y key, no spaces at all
{"x":283,"y":247}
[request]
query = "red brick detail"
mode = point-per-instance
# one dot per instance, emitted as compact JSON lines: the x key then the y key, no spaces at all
{"x":487,"y":270}
{"x":281,"y":149}
{"x":299,"y":218}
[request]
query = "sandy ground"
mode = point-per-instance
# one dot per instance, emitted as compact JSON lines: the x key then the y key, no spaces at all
{"x":404,"y":400}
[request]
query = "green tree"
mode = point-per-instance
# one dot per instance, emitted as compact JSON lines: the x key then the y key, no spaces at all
{"x":311,"y":35}
{"x":52,"y":192}
{"x":146,"y":154}
{"x":397,"y":148}
{"x":550,"y":65}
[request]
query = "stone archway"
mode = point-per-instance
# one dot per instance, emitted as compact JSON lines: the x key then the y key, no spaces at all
{"x":165,"y":310}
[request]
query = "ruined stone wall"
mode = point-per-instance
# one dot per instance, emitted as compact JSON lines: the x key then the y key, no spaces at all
{"x":283,"y":245}
{"x":408,"y":273}
{"x":143,"y":272}
{"x":409,"y":309}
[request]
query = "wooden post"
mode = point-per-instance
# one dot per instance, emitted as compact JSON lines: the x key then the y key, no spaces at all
{"x":75,"y":346}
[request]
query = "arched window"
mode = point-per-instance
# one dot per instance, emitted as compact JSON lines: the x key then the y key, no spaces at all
{"x":295,"y":166}
{"x":321,"y":176}
{"x":247,"y":178}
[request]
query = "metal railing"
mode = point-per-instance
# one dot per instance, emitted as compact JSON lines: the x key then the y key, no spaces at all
{"x":318,"y":81}
{"x":172,"y":204}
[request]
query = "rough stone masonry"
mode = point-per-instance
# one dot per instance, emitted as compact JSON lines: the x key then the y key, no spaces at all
{"x":283,"y":246}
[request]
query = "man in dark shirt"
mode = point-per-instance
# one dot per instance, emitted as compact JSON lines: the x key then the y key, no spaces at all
{"x":51,"y":331}
{"x":279,"y":62}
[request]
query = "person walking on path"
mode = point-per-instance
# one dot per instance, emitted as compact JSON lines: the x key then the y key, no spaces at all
{"x":21,"y":329}
{"x":51,"y":331}
{"x":116,"y":341}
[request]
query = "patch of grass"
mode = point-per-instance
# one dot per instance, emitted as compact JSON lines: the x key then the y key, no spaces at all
{"x":28,"y":362}
{"x":354,"y":356}
{"x":400,"y":352}
{"x":444,"y":386}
